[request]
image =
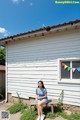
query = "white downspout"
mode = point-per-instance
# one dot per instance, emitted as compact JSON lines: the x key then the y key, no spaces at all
{"x":6,"y":75}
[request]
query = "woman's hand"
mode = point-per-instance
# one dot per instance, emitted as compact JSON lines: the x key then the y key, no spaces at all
{"x":37,"y":97}
{"x":40,"y":97}
{"x":43,"y":96}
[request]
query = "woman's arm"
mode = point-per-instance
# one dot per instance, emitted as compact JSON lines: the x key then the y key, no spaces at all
{"x":36,"y":96}
{"x":45,"y":95}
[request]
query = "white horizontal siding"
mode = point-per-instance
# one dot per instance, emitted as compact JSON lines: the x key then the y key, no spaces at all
{"x":41,"y":50}
{"x":34,"y":60}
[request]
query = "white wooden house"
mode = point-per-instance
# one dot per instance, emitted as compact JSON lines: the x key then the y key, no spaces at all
{"x":50,"y":54}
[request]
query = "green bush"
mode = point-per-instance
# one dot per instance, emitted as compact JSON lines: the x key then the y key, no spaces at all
{"x":2,"y":56}
{"x":50,"y":115}
{"x":16,"y":108}
{"x":29,"y":116}
{"x":58,"y":109}
{"x":64,"y":115}
{"x":72,"y":116}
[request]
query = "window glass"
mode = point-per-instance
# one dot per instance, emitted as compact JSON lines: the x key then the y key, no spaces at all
{"x":76,"y":74}
{"x":64,"y":72}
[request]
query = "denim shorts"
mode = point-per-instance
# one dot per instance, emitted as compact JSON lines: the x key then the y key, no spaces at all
{"x":46,"y":99}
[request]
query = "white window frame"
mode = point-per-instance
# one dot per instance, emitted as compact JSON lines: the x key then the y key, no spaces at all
{"x":72,"y":81}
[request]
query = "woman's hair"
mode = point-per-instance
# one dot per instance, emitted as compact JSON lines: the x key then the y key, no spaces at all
{"x":42,"y":84}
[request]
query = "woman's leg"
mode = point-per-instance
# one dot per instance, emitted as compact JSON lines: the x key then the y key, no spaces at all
{"x":40,"y":105}
{"x":38,"y":108}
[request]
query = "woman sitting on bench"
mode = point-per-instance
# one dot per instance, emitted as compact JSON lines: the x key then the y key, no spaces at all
{"x":41,"y":96}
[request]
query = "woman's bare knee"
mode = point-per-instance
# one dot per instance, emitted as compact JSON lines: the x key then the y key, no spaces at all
{"x":39,"y":103}
{"x":42,"y":102}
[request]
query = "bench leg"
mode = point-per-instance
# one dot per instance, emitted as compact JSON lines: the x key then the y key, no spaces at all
{"x":52,"y":108}
{"x":30,"y":109}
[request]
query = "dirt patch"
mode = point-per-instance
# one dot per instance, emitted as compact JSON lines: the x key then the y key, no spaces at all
{"x":5,"y":106}
{"x":71,"y":108}
{"x":15,"y":116}
{"x":57,"y":118}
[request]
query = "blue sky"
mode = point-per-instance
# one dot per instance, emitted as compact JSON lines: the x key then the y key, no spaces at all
{"x":18,"y":16}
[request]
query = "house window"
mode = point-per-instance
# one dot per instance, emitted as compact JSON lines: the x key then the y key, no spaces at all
{"x":64,"y":72}
{"x":70,"y":69}
{"x":76,"y":74}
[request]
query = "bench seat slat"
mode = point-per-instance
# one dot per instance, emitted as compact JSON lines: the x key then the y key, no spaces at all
{"x":51,"y":103}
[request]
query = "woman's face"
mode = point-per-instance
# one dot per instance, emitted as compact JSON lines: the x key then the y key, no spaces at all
{"x":40,"y":84}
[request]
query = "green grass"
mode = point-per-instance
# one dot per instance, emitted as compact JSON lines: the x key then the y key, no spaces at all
{"x":58,"y":111}
{"x":16,"y":108}
{"x":75,"y":116}
{"x":72,"y":116}
{"x":51,"y":115}
{"x":26,"y":115}
{"x":64,"y":115}
{"x":29,"y":116}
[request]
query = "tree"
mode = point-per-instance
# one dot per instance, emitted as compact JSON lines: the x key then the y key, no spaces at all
{"x":2,"y":56}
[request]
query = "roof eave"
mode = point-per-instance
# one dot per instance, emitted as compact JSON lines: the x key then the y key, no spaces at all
{"x":41,"y":31}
